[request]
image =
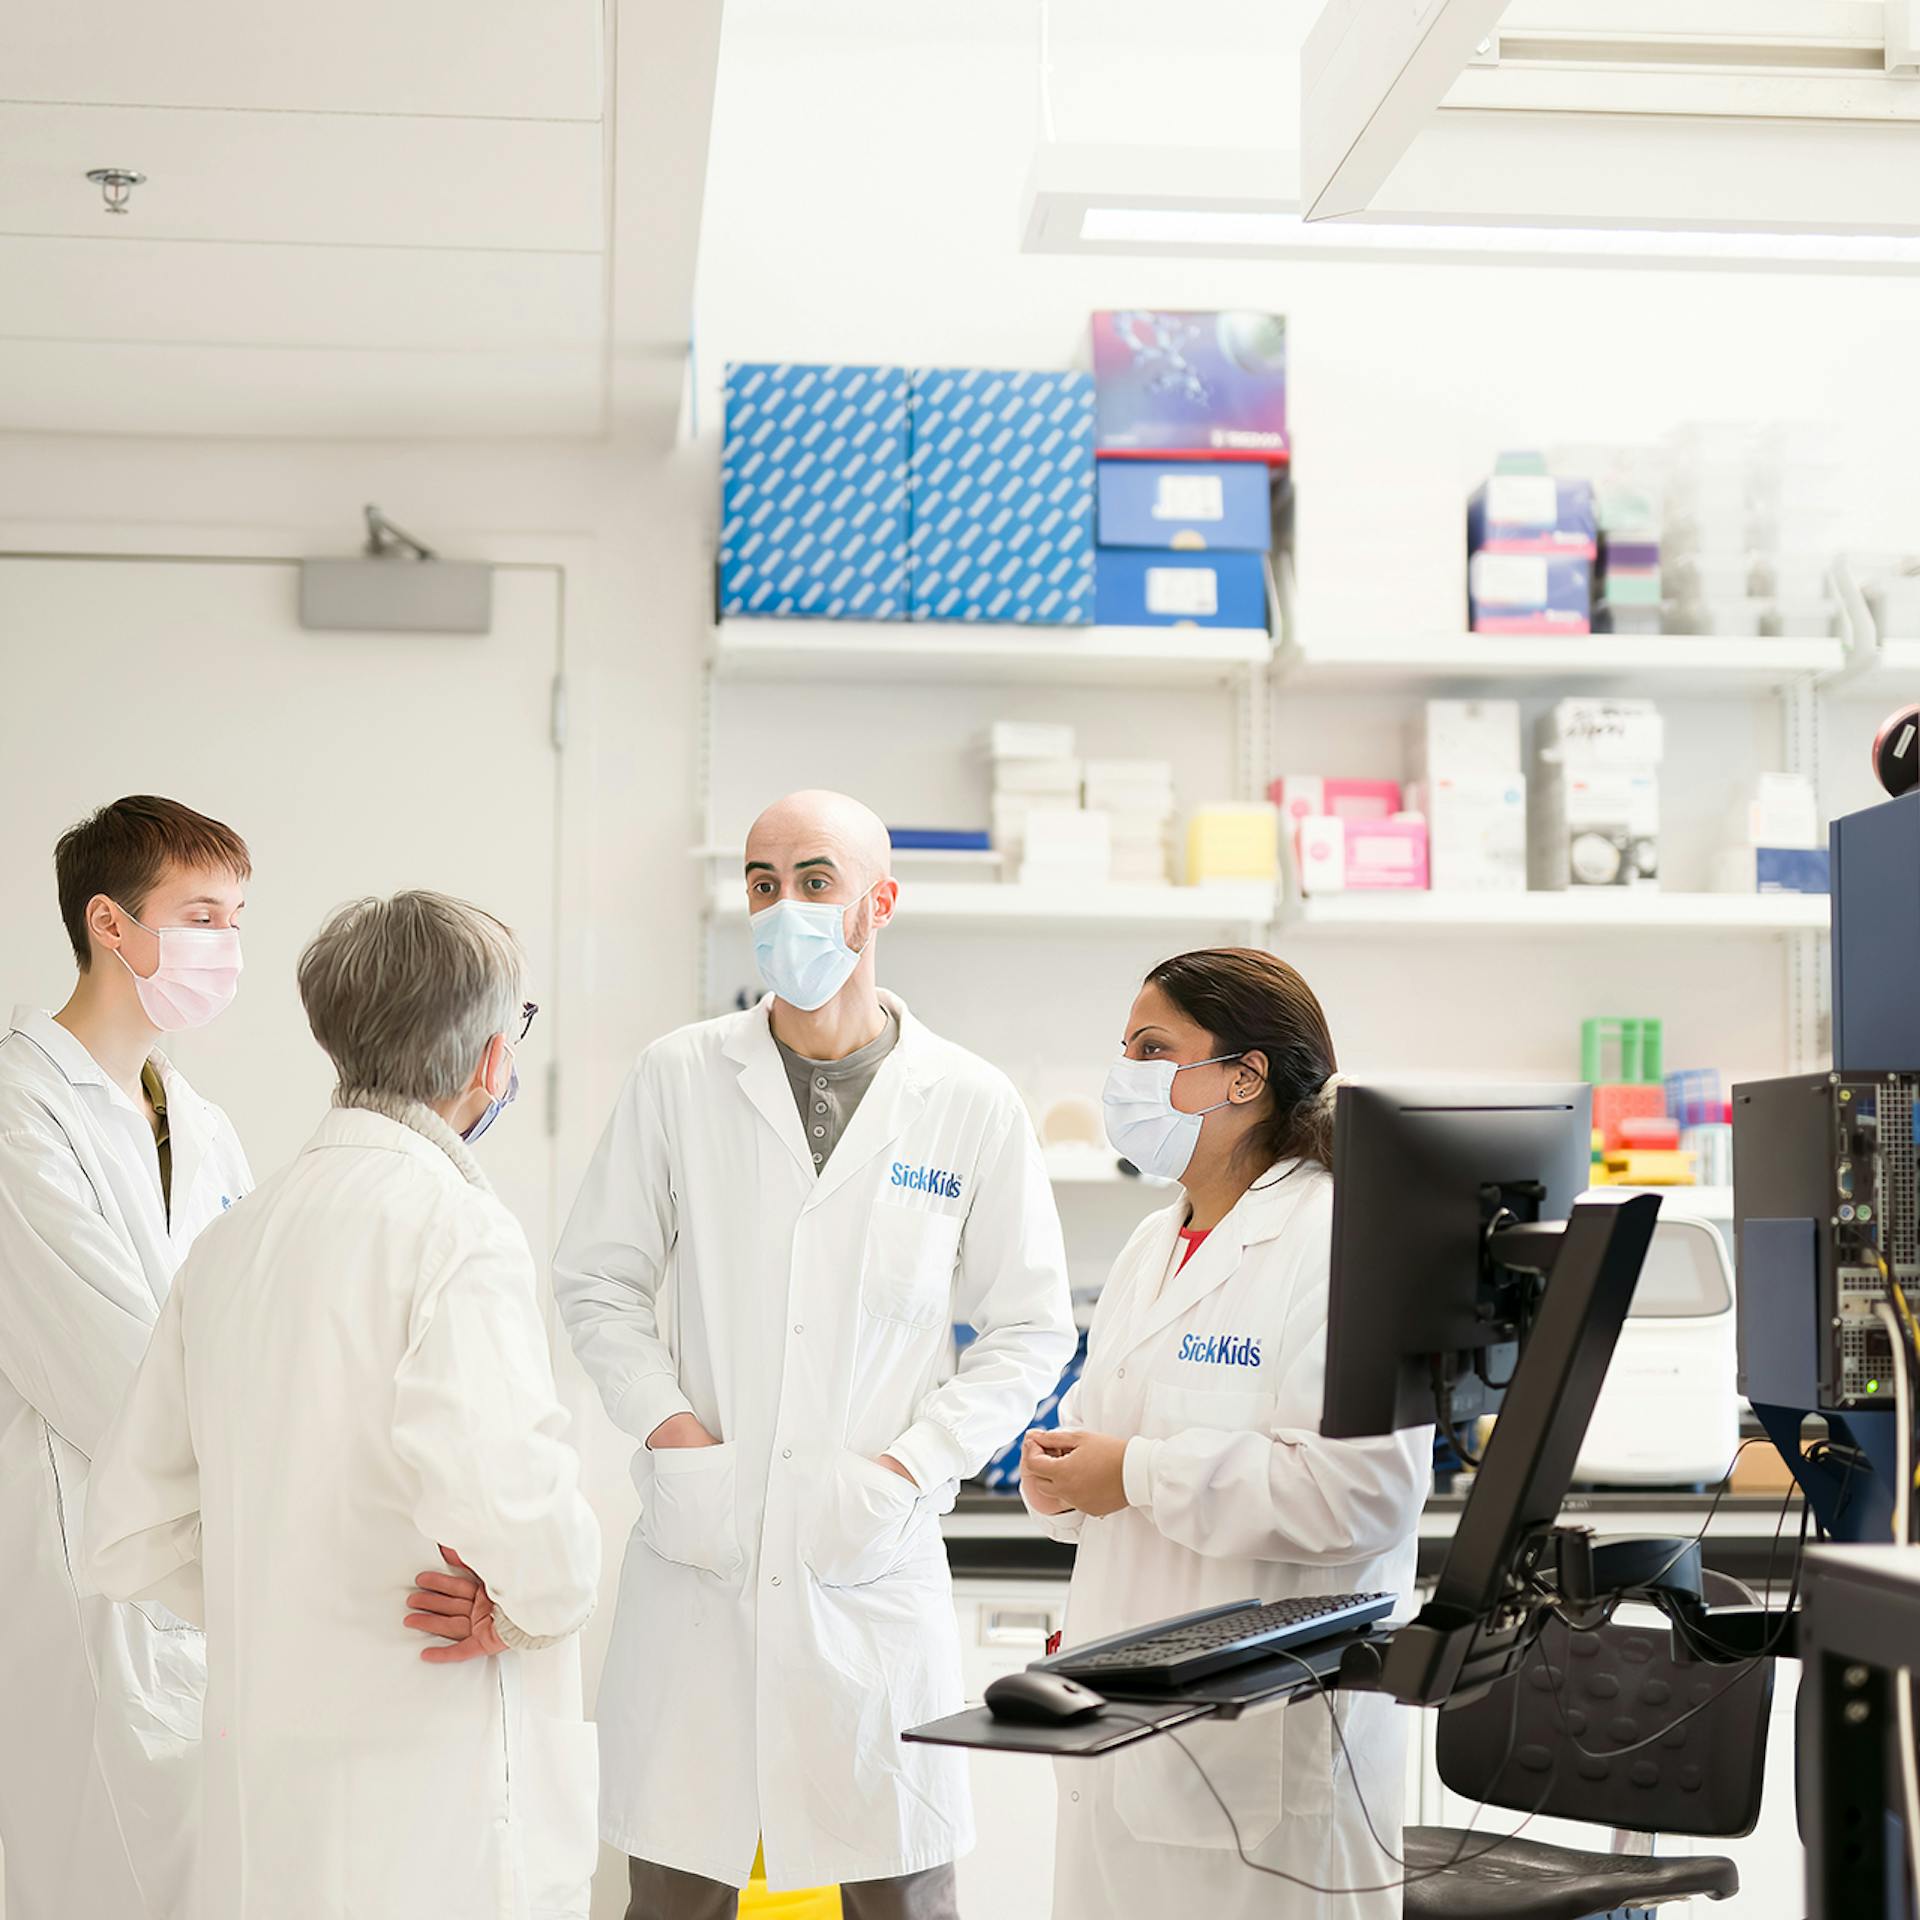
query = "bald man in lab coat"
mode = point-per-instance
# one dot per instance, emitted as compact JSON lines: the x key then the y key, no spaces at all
{"x":790,"y":1211}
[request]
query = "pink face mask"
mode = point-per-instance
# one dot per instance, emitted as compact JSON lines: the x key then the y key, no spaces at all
{"x":198,"y":975}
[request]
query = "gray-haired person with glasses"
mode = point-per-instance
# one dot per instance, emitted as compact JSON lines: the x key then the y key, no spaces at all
{"x":350,"y":1381}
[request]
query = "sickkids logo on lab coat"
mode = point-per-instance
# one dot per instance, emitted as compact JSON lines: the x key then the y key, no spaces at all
{"x":1221,"y":1350}
{"x":927,"y":1180}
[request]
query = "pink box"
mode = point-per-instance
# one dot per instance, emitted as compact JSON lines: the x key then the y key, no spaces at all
{"x":1384,"y":855}
{"x":1304,"y":796}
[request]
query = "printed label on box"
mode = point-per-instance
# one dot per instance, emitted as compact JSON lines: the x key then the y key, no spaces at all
{"x":1189,"y":592}
{"x":1509,"y":579}
{"x":1189,"y":496}
{"x":1523,"y":500}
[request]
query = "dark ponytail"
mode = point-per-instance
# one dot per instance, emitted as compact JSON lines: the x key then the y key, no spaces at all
{"x":1253,"y":1002}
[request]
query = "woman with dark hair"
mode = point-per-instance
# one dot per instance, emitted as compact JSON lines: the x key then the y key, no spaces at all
{"x":1190,"y":1469}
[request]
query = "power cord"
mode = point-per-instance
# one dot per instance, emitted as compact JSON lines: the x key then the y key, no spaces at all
{"x":1459,"y":1856}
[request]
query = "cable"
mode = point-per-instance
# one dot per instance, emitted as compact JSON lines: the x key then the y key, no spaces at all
{"x":1903,"y":1533}
{"x":1459,"y":1856}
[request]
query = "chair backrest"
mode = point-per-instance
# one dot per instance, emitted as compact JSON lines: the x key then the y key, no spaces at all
{"x":1563,"y":1735}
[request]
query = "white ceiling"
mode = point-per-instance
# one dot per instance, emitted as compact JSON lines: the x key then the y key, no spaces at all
{"x":362,"y":217}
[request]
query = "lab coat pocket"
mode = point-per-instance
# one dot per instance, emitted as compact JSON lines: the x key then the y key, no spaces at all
{"x":555,"y":1801}
{"x":688,"y":1515}
{"x":865,"y":1525}
{"x":908,"y":1275}
{"x":1161,"y":1798}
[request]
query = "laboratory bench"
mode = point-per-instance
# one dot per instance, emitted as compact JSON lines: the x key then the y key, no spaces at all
{"x":992,"y":1535}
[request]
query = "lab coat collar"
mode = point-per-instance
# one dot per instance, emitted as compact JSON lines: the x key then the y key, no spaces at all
{"x":898,"y":1092}
{"x":1260,"y":1214}
{"x":74,"y":1061}
{"x":362,"y":1127}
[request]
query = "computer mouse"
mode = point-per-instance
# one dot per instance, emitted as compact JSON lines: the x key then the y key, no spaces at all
{"x":1040,"y":1698}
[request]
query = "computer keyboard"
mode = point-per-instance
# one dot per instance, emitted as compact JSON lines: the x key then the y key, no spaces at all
{"x":1174,"y":1652}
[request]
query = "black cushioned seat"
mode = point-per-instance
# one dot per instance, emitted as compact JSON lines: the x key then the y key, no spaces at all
{"x":1592,"y":1728}
{"x":1524,"y":1880}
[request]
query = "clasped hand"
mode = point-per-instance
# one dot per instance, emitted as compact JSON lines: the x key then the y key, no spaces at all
{"x":1074,"y":1472}
{"x":455,"y":1607}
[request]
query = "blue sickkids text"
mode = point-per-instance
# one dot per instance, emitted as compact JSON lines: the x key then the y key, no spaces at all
{"x":1221,"y":1350}
{"x":927,"y":1180}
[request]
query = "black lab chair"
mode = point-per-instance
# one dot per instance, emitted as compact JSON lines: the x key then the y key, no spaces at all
{"x":1564,"y":1737}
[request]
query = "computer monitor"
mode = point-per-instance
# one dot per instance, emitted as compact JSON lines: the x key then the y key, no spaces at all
{"x":1421,"y":1177}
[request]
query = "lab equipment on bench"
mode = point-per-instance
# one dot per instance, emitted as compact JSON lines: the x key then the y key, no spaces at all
{"x":1174,"y":1652}
{"x":1669,"y":1413}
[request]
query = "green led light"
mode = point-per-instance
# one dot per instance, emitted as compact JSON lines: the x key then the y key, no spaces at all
{"x":1873,"y":1386}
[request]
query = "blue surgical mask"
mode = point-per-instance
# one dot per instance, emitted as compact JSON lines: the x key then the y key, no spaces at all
{"x":492,"y":1110}
{"x":1143,"y":1124}
{"x":800,"y":947}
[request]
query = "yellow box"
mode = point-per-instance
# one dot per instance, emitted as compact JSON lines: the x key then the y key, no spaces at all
{"x":1233,"y":843}
{"x":1645,"y":1167}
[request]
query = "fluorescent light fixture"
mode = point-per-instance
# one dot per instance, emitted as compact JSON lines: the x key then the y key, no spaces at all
{"x":1226,"y":204}
{"x":1215,"y":230}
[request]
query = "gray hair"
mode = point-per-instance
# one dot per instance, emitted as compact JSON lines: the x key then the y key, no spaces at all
{"x":404,"y":994}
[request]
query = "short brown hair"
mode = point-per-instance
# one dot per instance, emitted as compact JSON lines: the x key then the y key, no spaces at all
{"x":1253,"y":1002}
{"x":123,"y":850}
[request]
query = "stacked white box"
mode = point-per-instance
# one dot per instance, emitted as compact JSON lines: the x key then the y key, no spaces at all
{"x":1066,"y":847}
{"x":1596,"y":808}
{"x":1034,"y":770}
{"x":1137,"y":798}
{"x":1465,"y":760}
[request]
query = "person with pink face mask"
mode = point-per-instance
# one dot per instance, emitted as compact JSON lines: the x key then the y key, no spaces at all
{"x":110,"y":1164}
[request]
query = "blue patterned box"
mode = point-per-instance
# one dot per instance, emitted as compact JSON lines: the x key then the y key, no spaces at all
{"x":1001,"y":1474}
{"x":1003,"y":497}
{"x":813,"y":492}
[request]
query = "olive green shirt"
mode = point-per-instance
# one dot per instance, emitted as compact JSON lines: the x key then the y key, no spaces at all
{"x":828,"y":1092}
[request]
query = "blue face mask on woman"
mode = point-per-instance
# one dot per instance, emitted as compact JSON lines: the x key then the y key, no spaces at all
{"x":491,"y":1112}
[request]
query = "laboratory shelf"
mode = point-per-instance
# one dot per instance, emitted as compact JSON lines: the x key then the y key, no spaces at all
{"x":1889,"y":674}
{"x":1653,"y":664}
{"x":960,"y":902}
{"x":956,"y":653}
{"x":1579,"y":912}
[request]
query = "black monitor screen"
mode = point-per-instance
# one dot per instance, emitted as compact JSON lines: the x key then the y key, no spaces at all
{"x":1412,"y":1168}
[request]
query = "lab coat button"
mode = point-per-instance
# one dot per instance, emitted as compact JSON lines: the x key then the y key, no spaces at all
{"x":786,"y":1453}
{"x":776,"y":1579}
{"x":798,"y":1328}
{"x":1123,"y":1373}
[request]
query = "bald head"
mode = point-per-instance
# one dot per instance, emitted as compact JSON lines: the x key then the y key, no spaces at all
{"x":818,"y":828}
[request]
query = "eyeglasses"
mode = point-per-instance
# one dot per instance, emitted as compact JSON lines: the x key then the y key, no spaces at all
{"x":528,"y":1009}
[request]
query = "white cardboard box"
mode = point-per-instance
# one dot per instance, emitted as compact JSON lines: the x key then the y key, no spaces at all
{"x":1465,"y":736}
{"x":1476,"y":831}
{"x":1594,"y":827}
{"x":1598,"y":732}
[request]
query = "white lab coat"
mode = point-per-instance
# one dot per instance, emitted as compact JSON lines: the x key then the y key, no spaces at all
{"x":99,"y":1702}
{"x":1215,"y":1375}
{"x":785,"y":1608}
{"x":350,"y":1369}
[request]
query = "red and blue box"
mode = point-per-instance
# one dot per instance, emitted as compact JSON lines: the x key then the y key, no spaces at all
{"x":813,"y":492}
{"x":1002,"y":497}
{"x":1533,"y":513}
{"x":1191,"y":385}
{"x":1529,"y":593}
{"x":1190,"y":506}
